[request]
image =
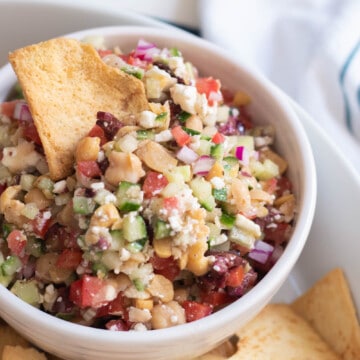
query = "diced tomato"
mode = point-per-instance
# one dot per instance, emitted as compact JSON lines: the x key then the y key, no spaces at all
{"x":171,"y":203}
{"x":153,"y":184}
{"x":278,"y":234}
{"x":167,"y":267}
{"x":89,"y":168}
{"x":97,"y":131}
{"x":210,"y":87}
{"x":117,"y":325}
{"x":16,"y":242}
{"x":115,"y":307}
{"x":69,"y":259}
{"x":283,"y":184}
{"x":180,"y":135}
{"x":235,"y":276}
{"x":270,"y":185}
{"x":41,"y":223}
{"x":103,"y":53}
{"x":218,"y":138}
{"x":195,"y":310}
{"x":134,"y":61}
{"x":88,"y":291}
{"x":30,"y":132}
{"x":7,"y":108}
{"x":216,"y":298}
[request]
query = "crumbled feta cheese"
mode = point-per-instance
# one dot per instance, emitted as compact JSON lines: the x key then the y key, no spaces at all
{"x":139,"y":315}
{"x":139,"y":327}
{"x":185,"y":96}
{"x":147,"y":119}
{"x":59,"y":187}
{"x":157,"y":81}
{"x":163,"y":136}
{"x":217,"y":182}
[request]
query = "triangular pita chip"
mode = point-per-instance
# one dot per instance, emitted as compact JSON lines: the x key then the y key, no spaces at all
{"x":20,"y":353}
{"x":278,"y":333}
{"x":66,"y":83}
{"x":9,"y":336}
{"x":329,"y":309}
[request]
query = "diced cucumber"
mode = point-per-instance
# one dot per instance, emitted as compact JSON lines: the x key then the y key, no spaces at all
{"x":160,"y":118}
{"x":34,"y":246}
{"x":241,"y":237}
{"x":220,"y":194}
{"x":83,"y":205}
{"x":136,"y":246}
{"x":28,"y":291}
{"x":27,"y":181}
{"x":231,"y":160}
{"x":264,"y":171}
{"x":30,"y":211}
{"x":100,"y":269}
{"x":129,"y":197}
{"x":11,"y":265}
{"x":139,"y":284}
{"x":242,"y":140}
{"x":5,"y":280}
{"x":217,"y":151}
{"x":214,"y":231}
{"x":179,"y":174}
{"x":134,"y":227}
{"x":231,"y":166}
{"x":227,"y":220}
{"x":46,"y":185}
{"x":117,"y":240}
{"x":191,"y":131}
{"x":183,"y":116}
{"x":202,"y":189}
{"x":134,"y":71}
{"x":7,"y":229}
{"x":204,"y":147}
{"x":161,"y":229}
{"x":145,"y":134}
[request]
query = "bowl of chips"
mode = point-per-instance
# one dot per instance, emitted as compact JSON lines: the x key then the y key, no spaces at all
{"x":155,"y":192}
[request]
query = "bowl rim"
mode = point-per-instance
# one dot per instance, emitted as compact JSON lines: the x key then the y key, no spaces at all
{"x":260,"y":291}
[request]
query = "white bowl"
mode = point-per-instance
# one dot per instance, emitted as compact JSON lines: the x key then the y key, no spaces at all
{"x":73,"y":341}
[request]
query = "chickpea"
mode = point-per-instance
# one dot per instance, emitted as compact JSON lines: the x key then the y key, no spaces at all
{"x":87,"y":149}
{"x":36,"y":196}
{"x":161,"y":288}
{"x":123,"y":167}
{"x":47,"y":271}
{"x":167,"y":315}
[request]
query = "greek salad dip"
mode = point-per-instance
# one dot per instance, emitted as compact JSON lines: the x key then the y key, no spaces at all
{"x":162,"y":222}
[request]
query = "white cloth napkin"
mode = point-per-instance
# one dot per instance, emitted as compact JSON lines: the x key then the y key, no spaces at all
{"x":309,"y":48}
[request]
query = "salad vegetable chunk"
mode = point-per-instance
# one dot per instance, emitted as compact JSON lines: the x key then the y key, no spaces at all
{"x":169,"y":214}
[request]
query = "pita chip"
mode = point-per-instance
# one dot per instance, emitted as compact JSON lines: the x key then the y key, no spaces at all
{"x":9,"y":336}
{"x":66,"y":83}
{"x":278,"y":333}
{"x":329,"y":309}
{"x":20,"y":353}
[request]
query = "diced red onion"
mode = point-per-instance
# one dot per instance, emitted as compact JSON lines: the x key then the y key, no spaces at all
{"x":275,"y":255}
{"x":187,"y":155}
{"x":22,"y":112}
{"x":242,"y":154}
{"x":145,"y":50}
{"x":239,"y":152}
{"x":203,"y":165}
{"x":261,"y":252}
